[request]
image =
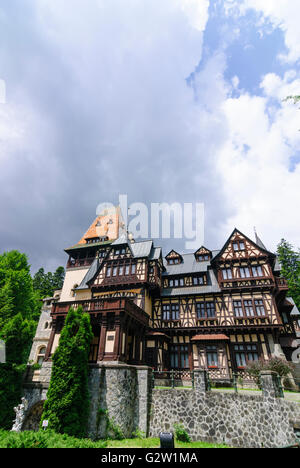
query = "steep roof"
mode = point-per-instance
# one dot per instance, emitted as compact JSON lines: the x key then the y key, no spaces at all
{"x":267,"y":252}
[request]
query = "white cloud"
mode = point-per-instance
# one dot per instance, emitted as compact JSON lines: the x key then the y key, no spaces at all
{"x":255,"y":163}
{"x":197,"y":12}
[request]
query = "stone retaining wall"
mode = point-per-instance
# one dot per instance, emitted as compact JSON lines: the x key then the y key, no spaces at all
{"x":237,"y":420}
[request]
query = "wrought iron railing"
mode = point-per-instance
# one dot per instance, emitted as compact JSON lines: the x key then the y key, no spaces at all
{"x":173,"y":378}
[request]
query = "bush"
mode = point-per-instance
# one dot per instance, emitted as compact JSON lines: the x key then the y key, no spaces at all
{"x":181,"y":434}
{"x":276,"y":364}
{"x":45,"y":439}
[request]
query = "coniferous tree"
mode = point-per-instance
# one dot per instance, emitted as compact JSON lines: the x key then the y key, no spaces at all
{"x":67,"y":404}
{"x":46,"y":283}
{"x":289,"y":260}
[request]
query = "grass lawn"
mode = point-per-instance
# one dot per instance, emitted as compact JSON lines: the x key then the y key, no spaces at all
{"x":155,"y":443}
{"x":49,"y":439}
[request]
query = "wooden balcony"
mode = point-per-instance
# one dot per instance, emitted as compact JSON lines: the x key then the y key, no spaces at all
{"x":281,"y":284}
{"x":103,"y":306}
{"x":85,"y":262}
{"x":249,"y":282}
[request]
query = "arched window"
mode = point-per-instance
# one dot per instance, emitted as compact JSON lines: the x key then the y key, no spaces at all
{"x":41,"y":355}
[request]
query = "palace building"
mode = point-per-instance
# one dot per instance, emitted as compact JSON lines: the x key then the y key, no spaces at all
{"x":211,"y":309}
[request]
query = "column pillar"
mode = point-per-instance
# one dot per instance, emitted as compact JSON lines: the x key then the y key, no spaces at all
{"x":144,"y":381}
{"x":270,"y":384}
{"x":51,"y":339}
{"x":102,"y":341}
{"x":117,"y":350}
{"x":200,"y":380}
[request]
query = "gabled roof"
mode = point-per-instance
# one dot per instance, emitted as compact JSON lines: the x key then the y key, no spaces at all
{"x":189,"y":264}
{"x":89,"y":275}
{"x":268,"y":253}
{"x":295,"y":311}
{"x":198,"y":252}
{"x":173,"y":254}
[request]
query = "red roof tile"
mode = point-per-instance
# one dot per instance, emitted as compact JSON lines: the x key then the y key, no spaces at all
{"x":216,"y":337}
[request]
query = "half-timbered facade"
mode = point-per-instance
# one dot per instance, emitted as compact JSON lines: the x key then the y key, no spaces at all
{"x":208,"y":309}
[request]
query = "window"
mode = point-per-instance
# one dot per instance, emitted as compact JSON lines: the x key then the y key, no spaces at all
{"x":179,"y":355}
{"x":238,"y":245}
{"x":108,"y":271}
{"x":257,"y":271}
{"x":203,"y":258}
{"x":205,"y":310}
{"x":260,"y":308}
{"x":121,"y":270}
{"x":210,"y":309}
{"x":245,"y":272}
{"x":245,"y":353}
{"x":227,"y":273}
{"x":198,"y":280}
{"x":166,"y":312}
{"x":173,"y":261}
{"x":212,"y":356}
{"x":175,"y":313}
{"x":171,"y":312}
{"x":175,"y":283}
{"x":248,"y":306}
{"x":238,"y":308}
{"x":41,"y":355}
{"x":120,"y":251}
{"x":115,"y":271}
{"x":127,"y":269}
{"x":133,"y":268}
{"x":200,"y":310}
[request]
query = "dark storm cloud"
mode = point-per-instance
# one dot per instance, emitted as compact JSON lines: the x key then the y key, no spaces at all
{"x":98,"y":104}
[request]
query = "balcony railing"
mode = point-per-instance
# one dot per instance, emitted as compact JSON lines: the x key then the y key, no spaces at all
{"x":80,"y":262}
{"x":251,"y":281}
{"x":103,"y":305}
{"x":281,"y":283}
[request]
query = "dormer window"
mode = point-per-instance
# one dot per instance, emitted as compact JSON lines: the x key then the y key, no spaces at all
{"x":203,"y":255}
{"x":203,"y":258}
{"x":174,"y":258}
{"x":173,"y":261}
{"x":94,"y":240}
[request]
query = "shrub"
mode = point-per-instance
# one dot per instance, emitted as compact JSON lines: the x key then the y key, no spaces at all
{"x":181,"y":434}
{"x":45,"y":439}
{"x":275,"y":364}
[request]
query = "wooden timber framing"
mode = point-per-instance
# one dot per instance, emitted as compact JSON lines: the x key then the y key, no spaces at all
{"x":207,"y":309}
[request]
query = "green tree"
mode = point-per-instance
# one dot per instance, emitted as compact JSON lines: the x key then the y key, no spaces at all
{"x":67,"y":404}
{"x":46,"y":283}
{"x":19,"y":310}
{"x":17,"y":334}
{"x":289,"y":260}
{"x":16,"y":288}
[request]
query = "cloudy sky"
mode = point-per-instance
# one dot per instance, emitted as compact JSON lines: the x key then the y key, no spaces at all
{"x":165,"y":101}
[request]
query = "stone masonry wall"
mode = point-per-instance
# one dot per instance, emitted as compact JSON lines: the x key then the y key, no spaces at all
{"x":237,"y":420}
{"x":120,"y":397}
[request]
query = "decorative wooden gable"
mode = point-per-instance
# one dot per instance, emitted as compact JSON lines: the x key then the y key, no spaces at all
{"x":173,"y":258}
{"x":239,"y":247}
{"x":203,"y":255}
